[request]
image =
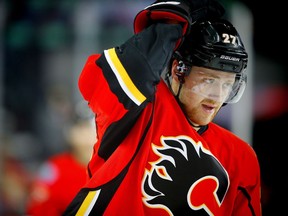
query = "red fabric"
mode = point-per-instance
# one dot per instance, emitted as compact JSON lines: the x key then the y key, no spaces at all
{"x":58,"y":181}
{"x":142,"y":21}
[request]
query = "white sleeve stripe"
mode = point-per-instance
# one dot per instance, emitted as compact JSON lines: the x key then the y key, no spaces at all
{"x":123,"y":78}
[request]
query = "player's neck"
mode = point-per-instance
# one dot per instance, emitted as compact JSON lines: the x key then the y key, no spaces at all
{"x":195,"y":126}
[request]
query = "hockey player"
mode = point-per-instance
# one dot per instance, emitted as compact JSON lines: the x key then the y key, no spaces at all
{"x":158,"y":151}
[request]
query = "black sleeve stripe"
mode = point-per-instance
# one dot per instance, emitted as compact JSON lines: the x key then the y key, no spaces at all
{"x":116,"y":133}
{"x":91,"y":201}
{"x":123,"y":78}
{"x":246,"y":194}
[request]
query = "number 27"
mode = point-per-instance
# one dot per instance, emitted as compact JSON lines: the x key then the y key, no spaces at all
{"x":229,"y":38}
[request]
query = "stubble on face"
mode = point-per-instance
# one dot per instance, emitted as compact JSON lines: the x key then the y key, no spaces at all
{"x":199,"y":110}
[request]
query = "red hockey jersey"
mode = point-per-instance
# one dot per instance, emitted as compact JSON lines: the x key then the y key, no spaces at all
{"x":148,"y":160}
{"x":58,"y":181}
{"x":161,"y":166}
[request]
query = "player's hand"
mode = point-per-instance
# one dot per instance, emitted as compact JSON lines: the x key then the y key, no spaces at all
{"x":145,"y":55}
{"x":184,"y":12}
{"x":152,"y":47}
{"x":163,"y":12}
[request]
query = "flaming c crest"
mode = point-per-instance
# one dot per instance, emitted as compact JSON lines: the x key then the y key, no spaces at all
{"x":186,"y":179}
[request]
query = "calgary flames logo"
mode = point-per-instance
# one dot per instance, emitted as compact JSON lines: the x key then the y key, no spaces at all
{"x":185,"y":179}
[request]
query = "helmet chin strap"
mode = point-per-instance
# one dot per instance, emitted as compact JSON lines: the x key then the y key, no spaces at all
{"x":193,"y":125}
{"x":181,"y":79}
{"x":181,"y":72}
{"x":178,"y":92}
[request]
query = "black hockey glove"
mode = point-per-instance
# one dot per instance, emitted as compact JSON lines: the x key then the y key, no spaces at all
{"x":150,"y":49}
{"x":185,"y":12}
{"x":145,"y":55}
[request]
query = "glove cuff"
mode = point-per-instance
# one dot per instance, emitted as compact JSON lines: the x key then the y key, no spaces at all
{"x":145,"y":18}
{"x":163,"y":11}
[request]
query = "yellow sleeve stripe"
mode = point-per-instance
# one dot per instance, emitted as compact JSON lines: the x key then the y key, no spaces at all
{"x":123,"y":78}
{"x":88,"y":203}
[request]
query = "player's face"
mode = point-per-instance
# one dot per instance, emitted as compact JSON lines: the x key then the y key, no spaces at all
{"x":203,"y":93}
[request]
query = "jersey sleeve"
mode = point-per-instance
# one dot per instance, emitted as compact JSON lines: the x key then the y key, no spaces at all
{"x":120,"y":82}
{"x":248,"y":199}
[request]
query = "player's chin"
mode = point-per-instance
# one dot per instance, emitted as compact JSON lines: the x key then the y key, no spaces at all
{"x":207,"y":117}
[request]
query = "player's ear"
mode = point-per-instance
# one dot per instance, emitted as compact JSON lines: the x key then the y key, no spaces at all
{"x":179,"y":71}
{"x":174,"y":69}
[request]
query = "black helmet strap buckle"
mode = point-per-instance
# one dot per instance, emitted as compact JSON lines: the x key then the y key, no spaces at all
{"x":182,"y":71}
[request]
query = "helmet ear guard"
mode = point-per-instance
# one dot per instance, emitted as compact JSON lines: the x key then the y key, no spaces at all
{"x":181,"y":71}
{"x":182,"y":68}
